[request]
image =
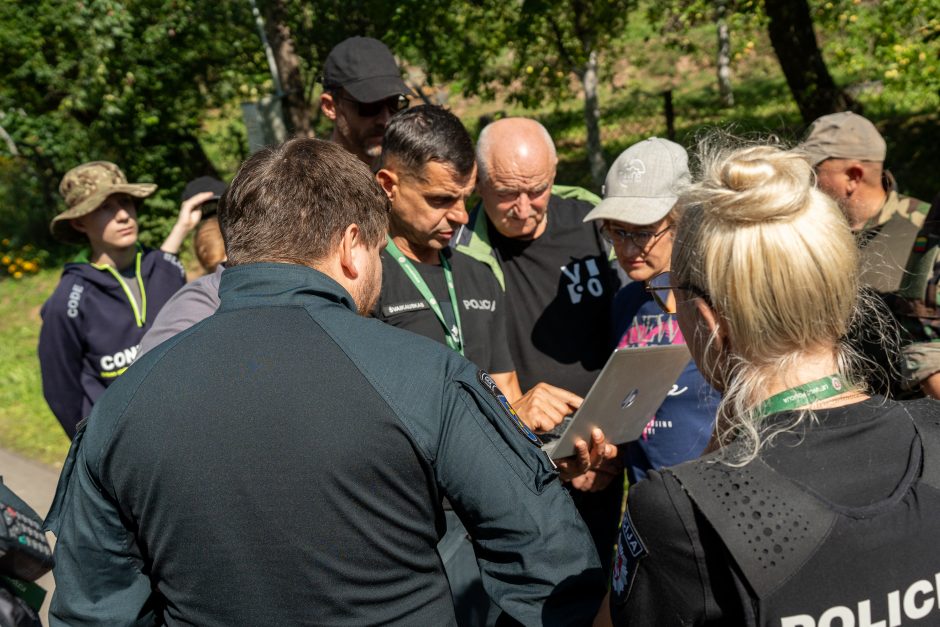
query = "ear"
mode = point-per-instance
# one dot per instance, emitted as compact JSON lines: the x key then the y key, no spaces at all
{"x":328,"y":105}
{"x":714,"y":325}
{"x":854,"y":173}
{"x":388,"y":181}
{"x":353,"y":252}
{"x":79,"y":225}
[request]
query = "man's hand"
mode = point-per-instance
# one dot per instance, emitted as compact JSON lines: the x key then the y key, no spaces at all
{"x":189,"y":217}
{"x":190,"y":213}
{"x":544,"y":406}
{"x":592,"y":468}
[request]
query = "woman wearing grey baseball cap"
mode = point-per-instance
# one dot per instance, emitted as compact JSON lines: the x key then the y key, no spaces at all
{"x":639,"y":215}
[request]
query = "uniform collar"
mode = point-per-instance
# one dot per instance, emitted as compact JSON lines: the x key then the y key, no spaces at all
{"x":278,"y":284}
{"x":892,"y":203}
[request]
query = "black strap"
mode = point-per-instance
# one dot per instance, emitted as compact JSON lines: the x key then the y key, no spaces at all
{"x":928,"y":428}
{"x":770,"y":526}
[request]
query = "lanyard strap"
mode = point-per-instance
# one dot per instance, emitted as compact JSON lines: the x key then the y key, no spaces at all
{"x":140,"y":314}
{"x":453,"y":336}
{"x":818,"y":390}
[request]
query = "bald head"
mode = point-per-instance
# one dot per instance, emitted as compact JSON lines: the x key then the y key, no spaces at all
{"x":516,"y":163}
{"x":516,"y":140}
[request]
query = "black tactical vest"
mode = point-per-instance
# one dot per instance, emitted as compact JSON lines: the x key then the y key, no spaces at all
{"x":812,"y":563}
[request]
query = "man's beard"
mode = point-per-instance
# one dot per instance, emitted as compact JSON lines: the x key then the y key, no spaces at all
{"x":368,"y":293}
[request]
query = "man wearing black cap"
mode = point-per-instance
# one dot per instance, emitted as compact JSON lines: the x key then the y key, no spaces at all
{"x":362,"y":89}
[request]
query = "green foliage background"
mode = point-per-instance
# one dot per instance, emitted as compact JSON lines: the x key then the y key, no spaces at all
{"x":156,"y":86}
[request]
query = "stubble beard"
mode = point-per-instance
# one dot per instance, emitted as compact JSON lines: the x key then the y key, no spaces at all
{"x":369,"y":293}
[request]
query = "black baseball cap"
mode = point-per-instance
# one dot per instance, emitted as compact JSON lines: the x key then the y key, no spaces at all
{"x":365,"y":68}
{"x":203,"y":184}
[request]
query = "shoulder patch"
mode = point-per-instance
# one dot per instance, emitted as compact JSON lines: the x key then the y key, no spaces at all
{"x":493,"y":389}
{"x":630,"y":550}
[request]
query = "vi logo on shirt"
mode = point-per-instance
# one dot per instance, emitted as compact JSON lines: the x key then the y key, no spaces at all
{"x":583,"y":275}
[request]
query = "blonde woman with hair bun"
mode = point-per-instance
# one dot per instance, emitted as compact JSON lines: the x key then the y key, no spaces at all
{"x":819,"y":504}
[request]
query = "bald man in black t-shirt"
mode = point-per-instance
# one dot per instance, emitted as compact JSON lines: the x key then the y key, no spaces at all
{"x":559,"y":287}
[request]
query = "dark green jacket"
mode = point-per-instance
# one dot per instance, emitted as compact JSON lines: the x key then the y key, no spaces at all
{"x":284,"y":461}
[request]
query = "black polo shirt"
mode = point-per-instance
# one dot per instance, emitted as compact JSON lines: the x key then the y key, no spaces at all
{"x":479,"y":299}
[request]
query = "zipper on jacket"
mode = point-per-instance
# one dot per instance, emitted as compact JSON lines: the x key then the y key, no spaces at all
{"x":140,"y":315}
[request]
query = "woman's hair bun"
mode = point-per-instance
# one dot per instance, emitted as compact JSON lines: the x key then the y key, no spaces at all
{"x":757,"y":184}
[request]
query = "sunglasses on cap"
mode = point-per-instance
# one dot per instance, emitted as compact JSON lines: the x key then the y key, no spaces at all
{"x":371,"y":109}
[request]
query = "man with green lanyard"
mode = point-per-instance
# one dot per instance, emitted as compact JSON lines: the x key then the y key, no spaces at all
{"x":428,"y":171}
{"x":109,"y":295}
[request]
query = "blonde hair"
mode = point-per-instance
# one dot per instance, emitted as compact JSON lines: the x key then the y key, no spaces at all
{"x":208,"y":244}
{"x":778,"y":264}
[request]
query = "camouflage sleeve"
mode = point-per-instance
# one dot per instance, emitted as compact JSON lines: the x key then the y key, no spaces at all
{"x":921,"y":360}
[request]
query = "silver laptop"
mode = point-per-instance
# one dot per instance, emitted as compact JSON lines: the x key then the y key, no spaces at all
{"x":623,"y":399}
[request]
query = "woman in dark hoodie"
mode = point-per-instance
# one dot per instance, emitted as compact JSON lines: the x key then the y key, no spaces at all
{"x":108,"y":296}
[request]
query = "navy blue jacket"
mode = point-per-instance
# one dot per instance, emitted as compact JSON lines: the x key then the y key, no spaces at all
{"x":91,"y":330}
{"x":283,"y":462}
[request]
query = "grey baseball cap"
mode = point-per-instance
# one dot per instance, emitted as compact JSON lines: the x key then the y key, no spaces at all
{"x":644,"y":183}
{"x":843,"y":135}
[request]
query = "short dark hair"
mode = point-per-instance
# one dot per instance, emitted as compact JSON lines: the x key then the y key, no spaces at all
{"x":426,"y":133}
{"x":292,"y":203}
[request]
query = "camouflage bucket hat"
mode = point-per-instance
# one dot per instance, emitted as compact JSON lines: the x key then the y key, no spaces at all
{"x":84,"y":188}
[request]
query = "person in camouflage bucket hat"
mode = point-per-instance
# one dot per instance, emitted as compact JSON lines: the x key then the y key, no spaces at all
{"x":109,"y":295}
{"x":85,"y":188}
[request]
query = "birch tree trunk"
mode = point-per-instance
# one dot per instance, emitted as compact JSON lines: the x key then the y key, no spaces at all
{"x":724,"y":55}
{"x":592,"y":119}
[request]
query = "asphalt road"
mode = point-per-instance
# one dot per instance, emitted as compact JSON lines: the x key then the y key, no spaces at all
{"x":34,"y":483}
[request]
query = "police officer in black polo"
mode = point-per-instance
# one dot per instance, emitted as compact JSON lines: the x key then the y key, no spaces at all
{"x":427,"y":170}
{"x":284,"y":460}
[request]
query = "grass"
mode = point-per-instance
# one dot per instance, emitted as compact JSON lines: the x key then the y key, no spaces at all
{"x":27,"y":426}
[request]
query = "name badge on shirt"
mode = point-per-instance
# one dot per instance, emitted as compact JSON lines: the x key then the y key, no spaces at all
{"x":397,"y":308}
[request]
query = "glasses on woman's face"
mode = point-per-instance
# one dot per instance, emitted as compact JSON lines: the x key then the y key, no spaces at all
{"x":641,"y":239}
{"x":664,"y":292}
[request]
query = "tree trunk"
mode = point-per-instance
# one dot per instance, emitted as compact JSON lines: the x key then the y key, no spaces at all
{"x":724,"y":55}
{"x":794,"y":41}
{"x":592,"y":119}
{"x":296,"y":107}
{"x":11,"y":145}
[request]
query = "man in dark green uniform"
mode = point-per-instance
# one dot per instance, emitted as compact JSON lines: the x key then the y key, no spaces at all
{"x":848,"y":154}
{"x":284,"y":460}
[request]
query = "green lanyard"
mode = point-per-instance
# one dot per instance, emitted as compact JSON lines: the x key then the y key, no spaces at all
{"x":140,"y":315}
{"x":453,"y":336}
{"x":818,"y":390}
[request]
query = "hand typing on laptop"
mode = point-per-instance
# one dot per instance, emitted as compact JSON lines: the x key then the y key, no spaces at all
{"x":544,"y":406}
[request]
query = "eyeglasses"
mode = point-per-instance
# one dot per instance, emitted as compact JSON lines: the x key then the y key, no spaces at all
{"x":663,"y":291}
{"x":371,"y":109}
{"x":640,"y":239}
